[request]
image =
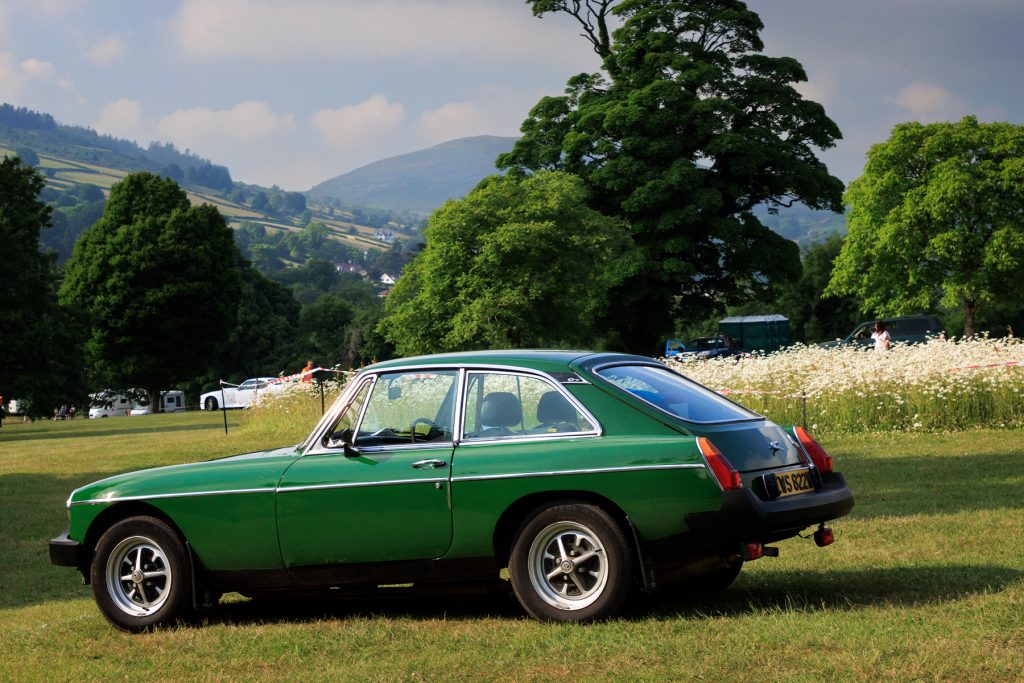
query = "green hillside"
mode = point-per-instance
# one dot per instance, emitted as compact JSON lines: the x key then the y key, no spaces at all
{"x":419,"y":181}
{"x":75,"y":160}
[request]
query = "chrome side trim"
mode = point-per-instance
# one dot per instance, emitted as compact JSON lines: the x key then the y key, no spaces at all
{"x":362,"y":484}
{"x":155,"y":496}
{"x":598,"y":470}
{"x":526,"y":438}
{"x":286,"y":489}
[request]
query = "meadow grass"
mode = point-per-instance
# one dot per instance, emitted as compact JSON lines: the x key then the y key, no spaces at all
{"x":942,"y":385}
{"x":925,"y":582}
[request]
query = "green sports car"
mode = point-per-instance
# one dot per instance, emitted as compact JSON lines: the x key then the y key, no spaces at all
{"x":586,"y":475}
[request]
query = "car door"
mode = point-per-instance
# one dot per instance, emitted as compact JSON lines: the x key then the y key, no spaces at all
{"x":384,"y":495}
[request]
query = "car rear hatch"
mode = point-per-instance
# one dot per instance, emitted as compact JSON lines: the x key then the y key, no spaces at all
{"x":768,"y":459}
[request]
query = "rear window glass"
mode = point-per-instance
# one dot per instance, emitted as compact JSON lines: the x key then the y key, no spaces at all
{"x":675,"y":394}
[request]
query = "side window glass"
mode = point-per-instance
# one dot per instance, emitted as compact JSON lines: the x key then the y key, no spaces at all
{"x":409,"y":407}
{"x":348,"y":418}
{"x":505,"y":405}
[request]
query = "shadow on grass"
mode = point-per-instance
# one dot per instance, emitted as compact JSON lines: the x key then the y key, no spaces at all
{"x":100,"y":431}
{"x":939,"y":484}
{"x":777,"y":592}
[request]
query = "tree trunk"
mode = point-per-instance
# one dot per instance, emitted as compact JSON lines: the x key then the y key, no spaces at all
{"x":154,"y":401}
{"x":969,"y":307}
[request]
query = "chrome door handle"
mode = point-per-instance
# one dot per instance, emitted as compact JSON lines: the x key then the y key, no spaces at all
{"x":432,"y":463}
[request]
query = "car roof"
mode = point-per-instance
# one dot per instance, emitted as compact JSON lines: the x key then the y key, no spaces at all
{"x":549,"y":360}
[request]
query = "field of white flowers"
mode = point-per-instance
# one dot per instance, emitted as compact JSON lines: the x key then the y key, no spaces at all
{"x":940,"y":385}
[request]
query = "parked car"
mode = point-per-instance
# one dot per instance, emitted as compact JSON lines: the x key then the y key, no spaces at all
{"x":585,"y":474}
{"x":704,"y":348}
{"x":242,"y":396}
{"x":911,"y":329}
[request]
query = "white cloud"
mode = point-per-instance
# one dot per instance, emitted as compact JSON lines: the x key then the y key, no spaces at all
{"x":928,"y":102}
{"x":51,"y":8}
{"x":455,"y":120}
{"x":11,"y":78}
{"x":819,"y":87}
{"x":309,"y":29}
{"x":37,"y":68}
{"x":106,"y":51}
{"x":122,"y":118}
{"x":15,"y":77}
{"x":201,"y":128}
{"x":357,"y":125}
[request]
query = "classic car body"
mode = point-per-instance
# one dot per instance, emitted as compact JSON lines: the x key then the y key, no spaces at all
{"x":585,"y":474}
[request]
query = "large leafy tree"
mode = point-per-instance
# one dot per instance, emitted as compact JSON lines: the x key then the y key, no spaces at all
{"x":159,"y":281}
{"x":40,"y":356}
{"x":937,"y":218}
{"x":690,"y":127}
{"x":521,"y":261}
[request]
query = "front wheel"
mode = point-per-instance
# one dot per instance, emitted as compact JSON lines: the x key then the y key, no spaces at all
{"x":211,"y":403}
{"x":571,"y":563}
{"x":141,"y":574}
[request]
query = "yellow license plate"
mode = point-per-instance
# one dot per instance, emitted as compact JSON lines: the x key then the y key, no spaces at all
{"x":791,"y":483}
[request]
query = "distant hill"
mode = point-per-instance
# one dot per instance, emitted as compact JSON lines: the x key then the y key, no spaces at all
{"x":419,"y":181}
{"x":80,"y":165}
{"x":801,"y":224}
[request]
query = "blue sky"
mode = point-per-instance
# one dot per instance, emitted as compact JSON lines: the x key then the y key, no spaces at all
{"x":292,"y":93}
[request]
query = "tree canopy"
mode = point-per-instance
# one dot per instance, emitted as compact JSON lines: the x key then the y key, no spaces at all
{"x":159,"y":281}
{"x":937,"y":218}
{"x":521,"y":261}
{"x":40,"y":359}
{"x":690,"y":128}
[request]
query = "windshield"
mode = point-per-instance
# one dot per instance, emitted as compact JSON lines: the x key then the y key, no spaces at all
{"x":675,"y":394}
{"x":704,"y":343}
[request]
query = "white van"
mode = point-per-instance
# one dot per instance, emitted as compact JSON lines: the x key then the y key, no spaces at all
{"x":111,"y":404}
{"x":173,"y":401}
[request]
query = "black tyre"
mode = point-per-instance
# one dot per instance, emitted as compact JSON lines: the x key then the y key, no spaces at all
{"x":141,"y":574}
{"x":211,"y":403}
{"x":571,"y":562}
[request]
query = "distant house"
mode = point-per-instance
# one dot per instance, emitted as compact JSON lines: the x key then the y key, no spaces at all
{"x":352,"y":268}
{"x":383,"y":293}
{"x":384,"y":235}
{"x":386,"y":279}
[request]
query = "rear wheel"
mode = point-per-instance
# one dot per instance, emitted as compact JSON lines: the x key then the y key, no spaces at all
{"x":211,"y":403}
{"x":570,"y":563}
{"x":141,"y":574}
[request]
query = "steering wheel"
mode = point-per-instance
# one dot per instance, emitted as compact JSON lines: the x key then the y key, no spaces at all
{"x":431,"y":433}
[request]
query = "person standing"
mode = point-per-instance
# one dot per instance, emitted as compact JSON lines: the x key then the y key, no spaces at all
{"x":307,"y":372}
{"x":881,"y":336}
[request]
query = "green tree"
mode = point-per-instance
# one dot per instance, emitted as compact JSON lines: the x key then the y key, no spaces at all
{"x":322,"y":329}
{"x":159,"y":281}
{"x":690,"y":128}
{"x":937,"y":218}
{"x":520,"y":261}
{"x":813,"y":315}
{"x":263,"y":341}
{"x":40,"y":354}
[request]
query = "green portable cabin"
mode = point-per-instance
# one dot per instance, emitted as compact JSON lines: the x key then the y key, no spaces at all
{"x":756,"y":332}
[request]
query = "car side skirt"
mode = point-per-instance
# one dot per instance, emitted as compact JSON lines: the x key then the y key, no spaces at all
{"x":354,"y":574}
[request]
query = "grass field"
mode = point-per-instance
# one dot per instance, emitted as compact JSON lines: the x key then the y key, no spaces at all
{"x":924,"y":582}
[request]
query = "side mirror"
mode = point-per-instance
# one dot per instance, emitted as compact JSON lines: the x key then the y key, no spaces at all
{"x":342,"y":439}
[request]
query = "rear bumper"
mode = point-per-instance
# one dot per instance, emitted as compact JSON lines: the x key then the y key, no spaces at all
{"x":65,"y":552}
{"x":746,"y":518}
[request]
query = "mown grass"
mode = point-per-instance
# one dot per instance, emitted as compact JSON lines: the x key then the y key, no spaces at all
{"x":925,"y":582}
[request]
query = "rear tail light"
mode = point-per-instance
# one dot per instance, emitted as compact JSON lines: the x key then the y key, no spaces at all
{"x":724,"y":472}
{"x":821,"y":459}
